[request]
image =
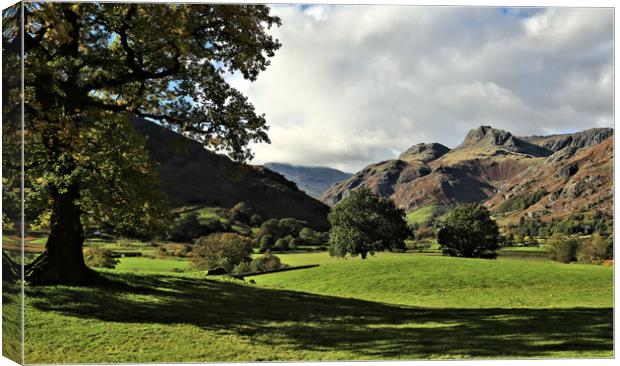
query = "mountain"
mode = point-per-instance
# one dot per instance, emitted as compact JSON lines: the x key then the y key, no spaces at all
{"x":482,"y":167}
{"x":570,"y":180}
{"x":193,"y":175}
{"x":312,"y":180}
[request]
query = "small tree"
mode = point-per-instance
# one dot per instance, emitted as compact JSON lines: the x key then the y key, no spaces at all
{"x":224,"y":250}
{"x":363,"y":223}
{"x":469,"y":232}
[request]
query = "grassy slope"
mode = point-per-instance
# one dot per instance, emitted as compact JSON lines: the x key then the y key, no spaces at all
{"x":420,"y":215}
{"x":435,"y":281}
{"x":508,"y":311}
{"x":144,"y":264}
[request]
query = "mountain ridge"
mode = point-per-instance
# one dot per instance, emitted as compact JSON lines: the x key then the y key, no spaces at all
{"x":192,"y":176}
{"x":474,"y":171}
{"x":314,"y":180}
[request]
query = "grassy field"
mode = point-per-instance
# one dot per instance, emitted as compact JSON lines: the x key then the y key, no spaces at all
{"x":144,"y":264}
{"x":391,"y":306}
{"x":436,"y":281}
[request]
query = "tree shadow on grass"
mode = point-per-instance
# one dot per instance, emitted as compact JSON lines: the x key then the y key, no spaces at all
{"x":312,"y":322}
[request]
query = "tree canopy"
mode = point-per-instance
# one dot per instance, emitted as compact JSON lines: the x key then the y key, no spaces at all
{"x":363,"y":223}
{"x":92,"y":67}
{"x":469,"y":231}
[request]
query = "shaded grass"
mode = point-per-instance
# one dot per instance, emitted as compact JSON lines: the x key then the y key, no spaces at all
{"x":391,"y":306}
{"x":167,"y":318}
{"x":11,"y":322}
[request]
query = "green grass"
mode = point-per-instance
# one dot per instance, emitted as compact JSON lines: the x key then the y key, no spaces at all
{"x":436,"y":281}
{"x":542,"y":249}
{"x":391,"y":306}
{"x":144,"y":264}
{"x":209,"y":213}
{"x":422,"y":214}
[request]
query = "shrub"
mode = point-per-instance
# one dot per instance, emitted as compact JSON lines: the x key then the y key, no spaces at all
{"x":595,"y":251}
{"x":266,"y":262}
{"x":99,"y":258}
{"x":469,"y":232}
{"x":562,"y":249}
{"x":224,"y":250}
{"x":242,"y":268}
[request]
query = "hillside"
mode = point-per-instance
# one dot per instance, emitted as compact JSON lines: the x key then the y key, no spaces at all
{"x":193,"y":175}
{"x":561,"y":186}
{"x":312,"y":180}
{"x":487,"y":163}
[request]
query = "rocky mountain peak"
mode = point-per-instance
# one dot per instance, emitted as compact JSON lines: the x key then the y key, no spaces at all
{"x":489,"y":137}
{"x":424,"y":152}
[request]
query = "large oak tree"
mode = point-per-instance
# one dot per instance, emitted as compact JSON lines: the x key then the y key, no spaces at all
{"x":92,"y":67}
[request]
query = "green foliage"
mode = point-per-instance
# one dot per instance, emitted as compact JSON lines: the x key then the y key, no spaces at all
{"x":469,"y":232}
{"x":266,"y":262}
{"x":266,"y":241}
{"x":99,"y":258}
{"x":242,"y":213}
{"x":596,"y":250}
{"x":281,"y":245}
{"x":521,"y":202}
{"x":188,"y":227}
{"x":224,"y":250}
{"x":91,"y":69}
{"x":286,"y":228}
{"x":562,"y":249}
{"x":363,"y":223}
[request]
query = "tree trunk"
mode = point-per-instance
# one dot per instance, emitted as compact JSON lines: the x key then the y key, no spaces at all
{"x":63,"y":261}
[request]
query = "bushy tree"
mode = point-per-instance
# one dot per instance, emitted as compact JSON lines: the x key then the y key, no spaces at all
{"x":266,"y":241}
{"x":185,"y":228}
{"x":281,"y":244}
{"x":562,"y":249}
{"x":224,"y":250}
{"x":470,"y":232}
{"x":595,"y":250}
{"x":89,"y":69}
{"x":241,"y":212}
{"x":363,"y":223}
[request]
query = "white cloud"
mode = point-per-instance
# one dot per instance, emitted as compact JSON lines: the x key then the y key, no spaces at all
{"x":354,"y":85}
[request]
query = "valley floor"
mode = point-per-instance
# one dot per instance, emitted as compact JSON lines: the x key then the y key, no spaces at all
{"x":391,"y":306}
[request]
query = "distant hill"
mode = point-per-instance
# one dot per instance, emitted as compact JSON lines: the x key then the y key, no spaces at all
{"x":491,"y":166}
{"x":193,"y":175}
{"x":312,"y":180}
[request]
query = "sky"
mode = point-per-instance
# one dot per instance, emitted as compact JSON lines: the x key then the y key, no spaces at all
{"x":355,"y":85}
